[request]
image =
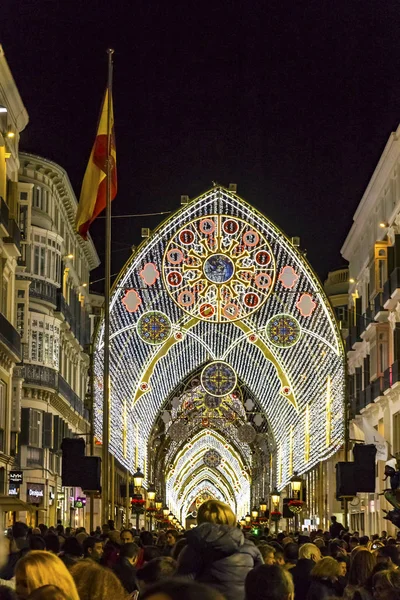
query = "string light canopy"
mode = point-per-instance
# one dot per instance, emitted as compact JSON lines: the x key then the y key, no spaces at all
{"x":218,"y":289}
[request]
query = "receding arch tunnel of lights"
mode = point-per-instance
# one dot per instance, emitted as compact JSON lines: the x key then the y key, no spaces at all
{"x":218,"y":289}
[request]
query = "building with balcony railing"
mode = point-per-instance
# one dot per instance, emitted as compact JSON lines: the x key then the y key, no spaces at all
{"x":372,"y":248}
{"x":13,"y":120}
{"x":53,"y":307}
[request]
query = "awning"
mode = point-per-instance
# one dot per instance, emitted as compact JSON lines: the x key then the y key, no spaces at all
{"x":14,"y":504}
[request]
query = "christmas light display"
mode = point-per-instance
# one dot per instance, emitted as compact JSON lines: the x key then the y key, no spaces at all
{"x":232,"y":292}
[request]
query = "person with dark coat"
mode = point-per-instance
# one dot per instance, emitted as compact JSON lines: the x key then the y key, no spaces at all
{"x":336,"y":528}
{"x":309,"y":555}
{"x":125,"y":567}
{"x":324,"y":580}
{"x":19,"y":546}
{"x":217,"y":552}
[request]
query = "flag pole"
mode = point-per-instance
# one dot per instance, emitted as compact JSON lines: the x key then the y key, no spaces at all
{"x":107,"y":283}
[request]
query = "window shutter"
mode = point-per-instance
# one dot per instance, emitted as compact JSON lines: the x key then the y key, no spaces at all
{"x":25,"y":426}
{"x":47,"y":430}
{"x":58,"y":433}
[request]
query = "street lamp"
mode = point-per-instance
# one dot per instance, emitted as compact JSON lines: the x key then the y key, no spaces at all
{"x":275,"y":496}
{"x":296,"y":483}
{"x":138,"y":478}
{"x":151,"y":493}
{"x":247,"y":518}
{"x":158,"y":504}
{"x":170,"y":517}
{"x":165,"y":511}
{"x":242,"y":521}
{"x":263,"y":506}
{"x":254,"y":512}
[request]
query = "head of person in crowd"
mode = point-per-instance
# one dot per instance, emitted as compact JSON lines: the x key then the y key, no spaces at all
{"x":361,"y":567}
{"x":177,"y":589}
{"x":336,"y":548}
{"x":268,"y":553}
{"x":386,"y":585}
{"x":111,"y":525}
{"x":43,"y":529}
{"x":364,"y":539}
{"x":150,"y":552}
{"x":279,"y":558}
{"x":146,"y":538}
{"x":38,"y":568}
{"x":291,"y":554}
{"x":47,"y":592}
{"x":72,"y":547}
{"x":156,"y":570}
{"x":81,"y":537}
{"x":287,"y":540}
{"x":177,"y":549}
{"x":342,"y":562}
{"x":52,"y":543}
{"x":310,"y":551}
{"x":92,"y":548}
{"x":326,"y":569}
{"x":129,"y":553}
{"x":353,"y":542}
{"x":105,"y":529}
{"x":95,"y":582}
{"x":126,"y":536}
{"x":391,"y":541}
{"x":20,"y":534}
{"x":171,"y":537}
{"x":319,"y":541}
{"x":37,"y":542}
{"x":269,"y":582}
{"x":389,"y":555}
{"x":213,"y":511}
{"x":115,"y":537}
{"x":383,"y":535}
{"x":161,"y":541}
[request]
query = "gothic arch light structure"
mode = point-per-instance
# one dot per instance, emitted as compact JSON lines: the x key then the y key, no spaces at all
{"x":218,"y":287}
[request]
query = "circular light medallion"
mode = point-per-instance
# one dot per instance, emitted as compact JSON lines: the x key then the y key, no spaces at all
{"x":153,"y":327}
{"x":212,"y":458}
{"x":218,"y":378}
{"x":218,"y":268}
{"x":283,"y":331}
{"x":246,"y":433}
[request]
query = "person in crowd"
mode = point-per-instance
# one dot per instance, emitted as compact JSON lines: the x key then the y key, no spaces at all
{"x":176,"y":589}
{"x":217,"y":552}
{"x":111,"y":550}
{"x":155,"y":571}
{"x":47,"y":592}
{"x":19,"y":546}
{"x":279,"y":558}
{"x":309,"y":555}
{"x":389,"y":555}
{"x":126,"y":536}
{"x":72,"y":552}
{"x":125,"y":567}
{"x":324,"y":578}
{"x":93,"y":548}
{"x":361,"y":568}
{"x":354,"y":542}
{"x":170,"y":541}
{"x":269,"y":582}
{"x":386,"y":585}
{"x":364,"y":540}
{"x":38,"y":568}
{"x":37,"y":542}
{"x":268,"y":554}
{"x":161,"y":539}
{"x":177,"y":549}
{"x":335,"y":528}
{"x":383,"y":535}
{"x":95,"y":582}
{"x":52,"y":543}
{"x":7,"y":593}
{"x":81,"y":537}
{"x":291,"y":554}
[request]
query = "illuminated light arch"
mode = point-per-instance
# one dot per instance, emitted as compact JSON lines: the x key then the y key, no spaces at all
{"x":142,"y":377}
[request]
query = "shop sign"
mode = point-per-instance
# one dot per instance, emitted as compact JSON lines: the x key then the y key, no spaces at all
{"x":16,"y":477}
{"x":13,"y":491}
{"x":35,"y":493}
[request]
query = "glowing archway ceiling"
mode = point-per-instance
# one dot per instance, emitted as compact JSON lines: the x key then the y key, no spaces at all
{"x":219,"y":282}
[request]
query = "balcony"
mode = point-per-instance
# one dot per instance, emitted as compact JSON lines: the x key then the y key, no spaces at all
{"x":13,"y":240}
{"x":377,"y":388}
{"x":4,"y":218}
{"x":392,"y":375}
{"x":43,"y":291}
{"x":49,"y":378}
{"x":387,"y":290}
{"x":395,"y":285}
{"x":10,"y":337}
{"x":63,"y":308}
{"x":380,"y":314}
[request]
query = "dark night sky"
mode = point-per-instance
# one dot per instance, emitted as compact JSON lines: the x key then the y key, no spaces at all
{"x":293,"y":101}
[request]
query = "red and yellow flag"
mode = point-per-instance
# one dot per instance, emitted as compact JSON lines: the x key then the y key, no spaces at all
{"x":94,"y":187}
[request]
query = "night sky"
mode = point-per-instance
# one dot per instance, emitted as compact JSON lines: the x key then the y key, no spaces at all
{"x":293,"y":101}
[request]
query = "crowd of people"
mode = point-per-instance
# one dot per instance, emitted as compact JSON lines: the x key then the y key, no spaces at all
{"x":213,"y":561}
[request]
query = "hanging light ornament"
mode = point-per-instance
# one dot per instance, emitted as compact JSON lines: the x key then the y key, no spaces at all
{"x":246,"y":433}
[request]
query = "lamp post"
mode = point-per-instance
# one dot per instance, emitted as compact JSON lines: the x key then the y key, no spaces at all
{"x":170,"y":517}
{"x":254,"y":513}
{"x":247,"y":518}
{"x":242,"y":522}
{"x":296,"y":483}
{"x":151,"y":495}
{"x":275,"y":497}
{"x":137,"y":504}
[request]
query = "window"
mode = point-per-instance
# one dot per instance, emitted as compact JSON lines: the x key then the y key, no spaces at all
{"x":46,"y":257}
{"x":378,"y":268}
{"x":34,"y":457}
{"x":35,"y":429}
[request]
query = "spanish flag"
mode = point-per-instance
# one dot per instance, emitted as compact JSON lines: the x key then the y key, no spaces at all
{"x":92,"y":200}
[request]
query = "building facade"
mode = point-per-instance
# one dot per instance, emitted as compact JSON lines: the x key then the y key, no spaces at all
{"x":13,"y":119}
{"x":52,"y":308}
{"x":372,"y":248}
